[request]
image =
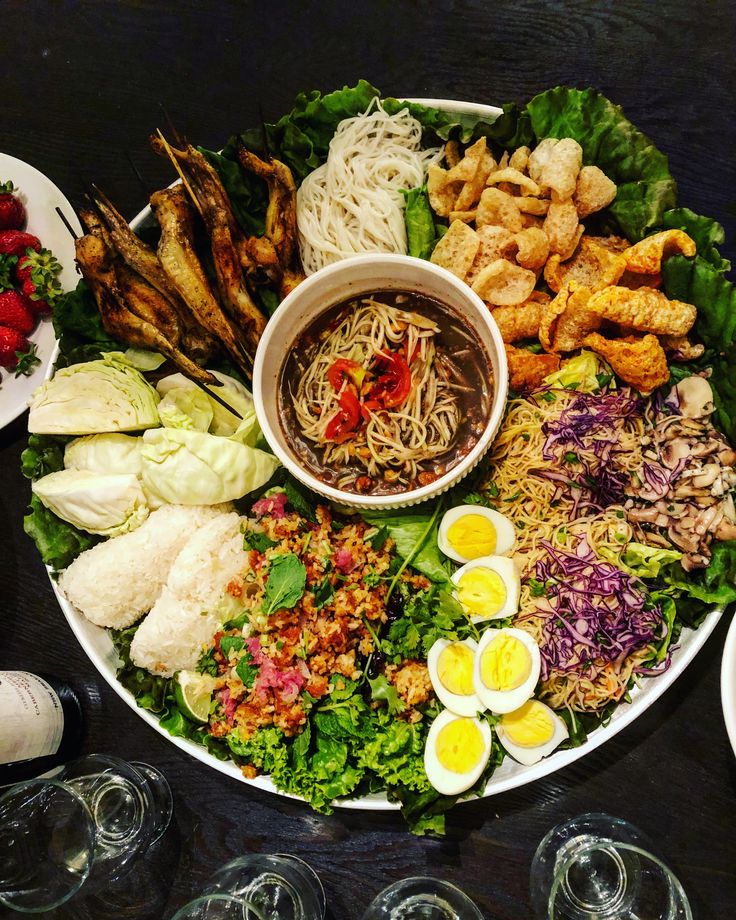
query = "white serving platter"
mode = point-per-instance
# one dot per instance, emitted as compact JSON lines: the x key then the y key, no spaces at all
{"x":510,"y":775}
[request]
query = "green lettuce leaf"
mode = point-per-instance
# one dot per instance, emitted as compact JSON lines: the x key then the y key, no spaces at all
{"x":413,"y":540}
{"x":58,"y":542}
{"x":419,"y":219}
{"x":44,"y":454}
{"x":715,"y":584}
{"x":609,"y":140}
{"x":79,"y":329}
{"x":640,"y":560}
{"x":707,"y":233}
{"x":248,"y":194}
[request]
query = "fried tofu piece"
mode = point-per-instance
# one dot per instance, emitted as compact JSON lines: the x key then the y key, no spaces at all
{"x":593,"y":191}
{"x":519,"y":322}
{"x":640,"y":362}
{"x":504,"y":283}
{"x":566,"y":320}
{"x":591,"y":264}
{"x":646,"y":256}
{"x":645,"y":310}
{"x":457,"y":249}
{"x":527,"y":370}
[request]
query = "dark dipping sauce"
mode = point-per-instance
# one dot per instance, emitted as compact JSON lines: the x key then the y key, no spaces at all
{"x":460,"y":359}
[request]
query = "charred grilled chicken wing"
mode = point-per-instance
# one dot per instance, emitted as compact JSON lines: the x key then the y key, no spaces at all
{"x":179,"y":259}
{"x":97,"y":264}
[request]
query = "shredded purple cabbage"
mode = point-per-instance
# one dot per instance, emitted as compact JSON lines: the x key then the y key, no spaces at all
{"x":590,"y":423}
{"x":594,"y":612}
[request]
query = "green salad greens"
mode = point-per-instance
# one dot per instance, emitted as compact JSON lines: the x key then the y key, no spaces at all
{"x":353,"y":743}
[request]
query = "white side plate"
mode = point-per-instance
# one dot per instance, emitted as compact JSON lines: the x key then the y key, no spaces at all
{"x":40,"y":197}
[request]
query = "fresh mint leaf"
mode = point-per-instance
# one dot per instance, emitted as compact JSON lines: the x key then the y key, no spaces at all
{"x":257,"y":540}
{"x":382,"y":690}
{"x":323,"y":593}
{"x":246,"y":670}
{"x":230,"y":643}
{"x":287,"y":579}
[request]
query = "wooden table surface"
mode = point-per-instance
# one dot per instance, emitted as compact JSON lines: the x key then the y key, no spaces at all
{"x":82,"y":88}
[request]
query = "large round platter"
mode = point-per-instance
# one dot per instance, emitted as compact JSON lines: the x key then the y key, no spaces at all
{"x":98,"y":646}
{"x":40,"y":197}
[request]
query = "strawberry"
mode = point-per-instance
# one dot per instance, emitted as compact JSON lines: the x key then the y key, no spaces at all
{"x":16,"y":351}
{"x":15,"y":242}
{"x":12,"y":212}
{"x":15,"y":312}
{"x":36,"y":272}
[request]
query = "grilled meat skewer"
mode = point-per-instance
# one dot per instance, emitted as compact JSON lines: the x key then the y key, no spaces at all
{"x":97,"y":264}
{"x":179,"y":260}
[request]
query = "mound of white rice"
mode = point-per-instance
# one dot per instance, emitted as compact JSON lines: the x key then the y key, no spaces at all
{"x":190,"y":608}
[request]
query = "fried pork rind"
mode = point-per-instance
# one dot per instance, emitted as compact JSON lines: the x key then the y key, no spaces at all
{"x":530,"y":247}
{"x":457,"y":249}
{"x":681,"y":346}
{"x":442,"y":192}
{"x":646,"y":257}
{"x":591,"y":265}
{"x":499,"y":209}
{"x":640,"y":362}
{"x":527,"y":370}
{"x":557,"y":167}
{"x":519,"y":322}
{"x":467,"y":217}
{"x":561,"y":226}
{"x":566,"y":320}
{"x":470,"y":192}
{"x":452,"y":153}
{"x":493,"y":243}
{"x":594,"y":191}
{"x":465,"y":170}
{"x":568,"y":253}
{"x":520,"y":158}
{"x":633,"y":281}
{"x":504,"y":284}
{"x":536,"y":206}
{"x":515,"y":177}
{"x":644,"y":310}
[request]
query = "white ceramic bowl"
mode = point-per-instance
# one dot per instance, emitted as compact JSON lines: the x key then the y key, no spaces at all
{"x":351,"y":278}
{"x":728,"y":683}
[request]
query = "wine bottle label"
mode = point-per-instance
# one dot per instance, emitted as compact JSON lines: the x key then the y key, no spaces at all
{"x":31,"y":717}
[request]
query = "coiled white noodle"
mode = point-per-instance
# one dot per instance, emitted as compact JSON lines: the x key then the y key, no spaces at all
{"x":353,"y":202}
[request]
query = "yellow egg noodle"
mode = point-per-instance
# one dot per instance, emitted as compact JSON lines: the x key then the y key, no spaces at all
{"x":517,"y":452}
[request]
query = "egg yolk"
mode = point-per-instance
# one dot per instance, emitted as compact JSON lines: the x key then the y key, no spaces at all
{"x":455,"y":668}
{"x":460,"y":745}
{"x":472,"y":536}
{"x":505,"y":663}
{"x":481,"y":591}
{"x":529,"y":726}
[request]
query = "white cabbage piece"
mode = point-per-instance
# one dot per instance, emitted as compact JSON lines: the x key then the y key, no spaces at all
{"x":223,"y":423}
{"x":105,"y":504}
{"x":98,"y":396}
{"x":194,"y":468}
{"x":105,"y":453}
{"x":188,"y":409}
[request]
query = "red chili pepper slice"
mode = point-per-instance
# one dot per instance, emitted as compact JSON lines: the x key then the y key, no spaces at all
{"x":343,"y":369}
{"x":341,"y":427}
{"x":394,"y":385}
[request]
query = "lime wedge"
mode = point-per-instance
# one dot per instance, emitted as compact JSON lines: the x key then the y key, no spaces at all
{"x":193,"y":693}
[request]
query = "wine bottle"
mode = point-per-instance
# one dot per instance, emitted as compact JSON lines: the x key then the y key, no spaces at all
{"x":40,"y":725}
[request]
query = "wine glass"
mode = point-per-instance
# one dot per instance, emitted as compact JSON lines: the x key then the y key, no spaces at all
{"x":422,"y":898}
{"x":260,"y":887}
{"x":596,"y":867}
{"x":91,"y":819}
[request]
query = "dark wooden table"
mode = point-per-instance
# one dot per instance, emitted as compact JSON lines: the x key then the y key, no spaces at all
{"x":82,"y":85}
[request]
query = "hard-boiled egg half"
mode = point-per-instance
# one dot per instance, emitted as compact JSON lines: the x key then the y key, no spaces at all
{"x":531,"y":732}
{"x":456,"y":752}
{"x":471,"y":531}
{"x":507,"y":665}
{"x":450,"y":666}
{"x":488,"y":588}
